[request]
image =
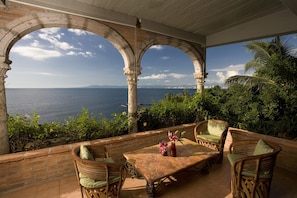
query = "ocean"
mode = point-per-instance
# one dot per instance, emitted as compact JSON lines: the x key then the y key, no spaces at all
{"x":56,"y":105}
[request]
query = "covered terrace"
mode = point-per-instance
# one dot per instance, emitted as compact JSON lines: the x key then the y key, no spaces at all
{"x":201,"y":23}
{"x":134,"y":26}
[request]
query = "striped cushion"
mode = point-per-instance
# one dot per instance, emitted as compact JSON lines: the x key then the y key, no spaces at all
{"x":210,"y":138}
{"x":215,"y":128}
{"x":91,"y":183}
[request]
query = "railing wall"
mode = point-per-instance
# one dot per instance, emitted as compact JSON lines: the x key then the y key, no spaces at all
{"x":19,"y":170}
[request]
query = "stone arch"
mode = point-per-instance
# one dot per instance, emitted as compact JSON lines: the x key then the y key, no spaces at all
{"x":193,"y":51}
{"x":18,"y":28}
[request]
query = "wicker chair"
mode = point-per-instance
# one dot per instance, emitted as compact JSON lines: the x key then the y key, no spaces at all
{"x":212,"y":134}
{"x":252,"y":164}
{"x":98,"y":175}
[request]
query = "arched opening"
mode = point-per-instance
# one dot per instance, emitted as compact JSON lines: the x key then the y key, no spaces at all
{"x":166,"y":67}
{"x":195,"y":56}
{"x":65,"y":58}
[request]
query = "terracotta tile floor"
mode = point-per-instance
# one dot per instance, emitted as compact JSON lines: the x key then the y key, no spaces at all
{"x":216,"y":184}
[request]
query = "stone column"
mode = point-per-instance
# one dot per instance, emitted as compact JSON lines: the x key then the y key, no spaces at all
{"x":4,"y":142}
{"x":199,"y":82}
{"x":132,"y":76}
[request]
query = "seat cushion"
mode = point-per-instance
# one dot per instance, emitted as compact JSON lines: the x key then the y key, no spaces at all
{"x":210,"y":138}
{"x":262,"y":148}
{"x":91,"y":183}
{"x":107,"y":160}
{"x":85,"y":153}
{"x":234,"y":157}
{"x":215,"y":128}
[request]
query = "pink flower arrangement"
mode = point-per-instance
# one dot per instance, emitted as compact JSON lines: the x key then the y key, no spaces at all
{"x":163,"y":147}
{"x":172,"y":137}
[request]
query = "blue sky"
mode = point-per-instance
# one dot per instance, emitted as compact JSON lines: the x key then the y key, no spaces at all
{"x":60,"y":58}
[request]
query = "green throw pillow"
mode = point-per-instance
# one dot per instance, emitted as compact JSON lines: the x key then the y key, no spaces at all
{"x":262,"y":148}
{"x":215,"y":128}
{"x":85,"y":153}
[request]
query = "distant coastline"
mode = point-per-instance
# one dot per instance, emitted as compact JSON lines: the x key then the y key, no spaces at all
{"x":118,"y":87}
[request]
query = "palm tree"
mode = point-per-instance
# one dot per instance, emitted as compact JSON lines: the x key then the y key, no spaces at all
{"x":264,"y":52}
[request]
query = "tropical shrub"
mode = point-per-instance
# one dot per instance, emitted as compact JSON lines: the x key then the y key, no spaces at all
{"x":25,"y":132}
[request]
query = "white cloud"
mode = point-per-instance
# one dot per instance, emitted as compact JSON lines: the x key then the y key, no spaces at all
{"x":42,"y":73}
{"x":157,"y":47}
{"x":224,"y":75}
{"x":101,"y":46}
{"x":239,"y":67}
{"x":232,"y":73}
{"x":27,"y":37}
{"x":71,"y":53}
{"x":221,"y":76}
{"x":226,"y":72}
{"x":53,"y":37}
{"x":164,"y":76}
{"x":63,"y":45}
{"x":35,"y":43}
{"x":178,"y":76}
{"x":36,"y":53}
{"x":79,"y":32}
{"x":153,"y":76}
{"x":86,"y":54}
{"x":165,"y":57}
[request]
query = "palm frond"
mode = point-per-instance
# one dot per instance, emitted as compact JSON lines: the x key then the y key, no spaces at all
{"x":253,"y":64}
{"x":259,"y":48}
{"x":250,"y":80}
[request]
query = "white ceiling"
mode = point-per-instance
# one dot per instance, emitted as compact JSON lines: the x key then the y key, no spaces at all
{"x":208,"y":22}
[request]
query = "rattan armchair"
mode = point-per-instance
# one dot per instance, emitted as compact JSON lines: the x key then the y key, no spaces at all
{"x":251,"y":170}
{"x":212,"y":134}
{"x":98,"y":175}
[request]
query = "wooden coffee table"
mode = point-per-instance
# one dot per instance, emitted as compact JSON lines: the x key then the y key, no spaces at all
{"x":154,"y":167}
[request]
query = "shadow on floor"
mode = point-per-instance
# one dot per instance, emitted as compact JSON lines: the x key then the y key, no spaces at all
{"x":188,"y":183}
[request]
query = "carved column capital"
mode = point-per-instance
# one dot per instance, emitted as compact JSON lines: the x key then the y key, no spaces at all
{"x":199,"y":81}
{"x":4,"y":67}
{"x":199,"y":77}
{"x":132,"y":74}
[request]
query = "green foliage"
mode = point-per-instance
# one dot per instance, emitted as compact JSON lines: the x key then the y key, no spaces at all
{"x":268,"y":111}
{"x":273,"y":87}
{"x":24,"y":126}
{"x":84,"y":127}
{"x":173,"y":110}
{"x":25,"y":132}
{"x":118,"y":125}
